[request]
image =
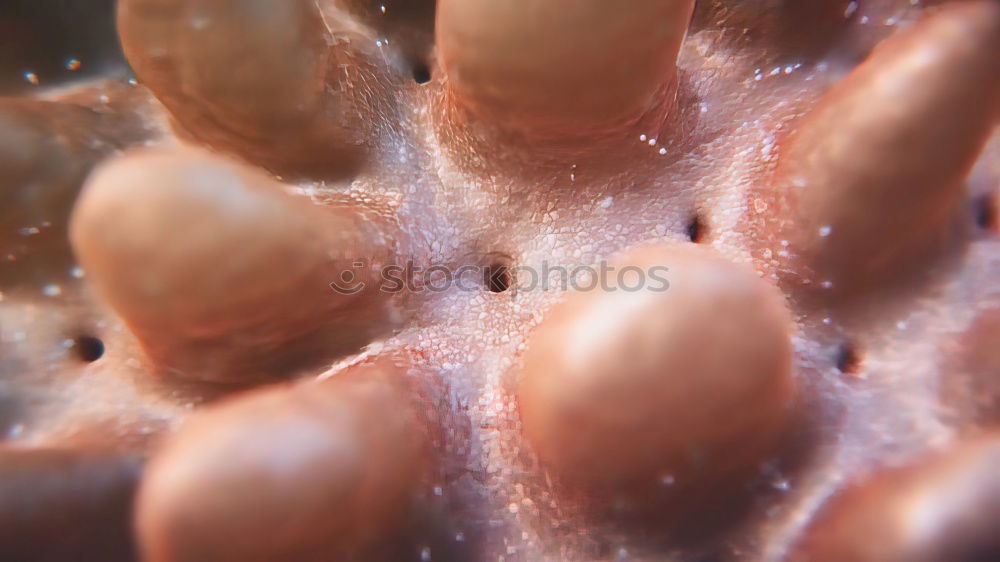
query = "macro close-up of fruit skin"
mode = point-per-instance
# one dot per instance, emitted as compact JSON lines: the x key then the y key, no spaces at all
{"x":484,"y":280}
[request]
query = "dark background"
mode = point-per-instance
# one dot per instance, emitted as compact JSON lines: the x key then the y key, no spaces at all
{"x":40,"y":36}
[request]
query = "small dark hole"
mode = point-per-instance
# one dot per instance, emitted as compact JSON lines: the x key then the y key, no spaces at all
{"x":88,"y":348}
{"x":421,"y":74}
{"x":986,"y":214}
{"x":696,"y":230}
{"x":498,"y":278}
{"x":848,"y":359}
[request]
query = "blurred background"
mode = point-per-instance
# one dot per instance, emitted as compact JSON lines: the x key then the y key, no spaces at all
{"x":43,"y":41}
